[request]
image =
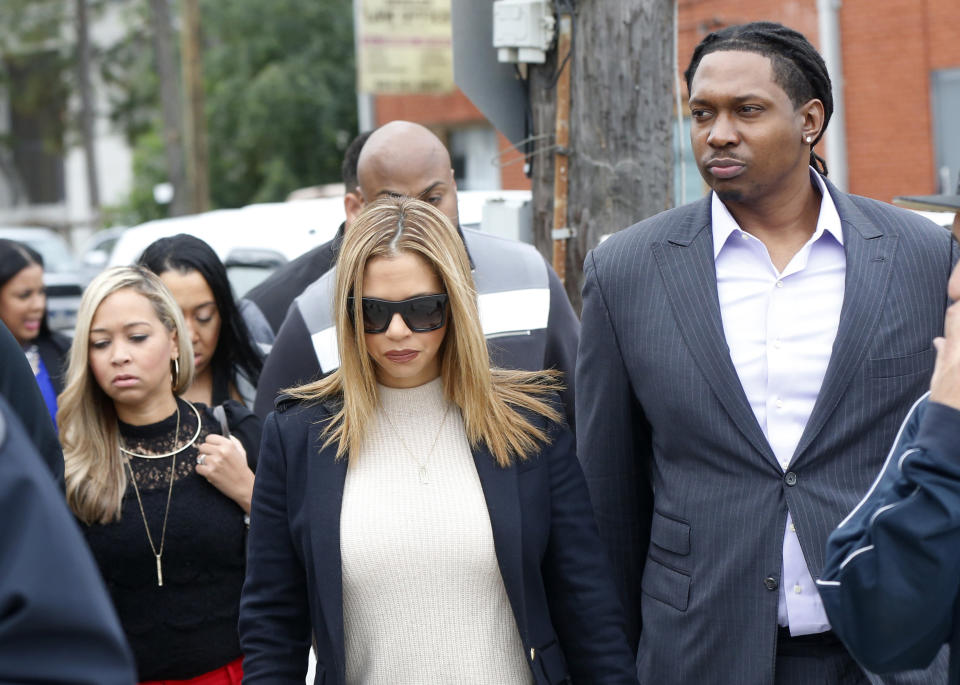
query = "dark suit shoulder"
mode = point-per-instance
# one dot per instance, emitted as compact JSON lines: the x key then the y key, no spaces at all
{"x":274,"y":295}
{"x":900,"y":221}
{"x":686,"y":220}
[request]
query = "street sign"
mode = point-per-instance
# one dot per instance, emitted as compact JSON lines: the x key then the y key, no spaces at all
{"x":404,"y":46}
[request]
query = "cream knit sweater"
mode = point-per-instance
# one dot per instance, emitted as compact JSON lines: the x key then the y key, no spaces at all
{"x":423,"y":599}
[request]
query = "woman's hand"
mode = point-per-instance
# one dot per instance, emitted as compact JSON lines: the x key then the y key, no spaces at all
{"x":223,"y":462}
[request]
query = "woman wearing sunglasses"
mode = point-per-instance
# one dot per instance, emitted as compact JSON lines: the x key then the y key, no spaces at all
{"x":422,"y":517}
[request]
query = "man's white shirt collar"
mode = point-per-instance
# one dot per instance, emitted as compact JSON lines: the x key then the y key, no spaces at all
{"x":724,"y":225}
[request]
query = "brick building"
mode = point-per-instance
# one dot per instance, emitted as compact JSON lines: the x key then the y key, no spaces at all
{"x":901,"y":68}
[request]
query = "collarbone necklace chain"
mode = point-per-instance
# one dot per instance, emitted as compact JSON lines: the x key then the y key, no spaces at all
{"x":158,"y":553}
{"x":422,"y":465}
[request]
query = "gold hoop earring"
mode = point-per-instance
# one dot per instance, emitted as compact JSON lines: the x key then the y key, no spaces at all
{"x":176,"y":372}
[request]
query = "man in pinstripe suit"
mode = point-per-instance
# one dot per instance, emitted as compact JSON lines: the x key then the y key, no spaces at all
{"x":744,"y":363}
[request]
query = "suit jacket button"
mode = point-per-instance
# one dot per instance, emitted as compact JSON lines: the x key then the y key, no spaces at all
{"x":790,"y":479}
{"x":770,"y":583}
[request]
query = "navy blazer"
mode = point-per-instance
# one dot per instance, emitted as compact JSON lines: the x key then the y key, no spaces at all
{"x":555,"y":571}
{"x":891,"y":584}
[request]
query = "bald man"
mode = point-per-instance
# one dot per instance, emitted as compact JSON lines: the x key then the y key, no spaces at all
{"x":526,"y":315}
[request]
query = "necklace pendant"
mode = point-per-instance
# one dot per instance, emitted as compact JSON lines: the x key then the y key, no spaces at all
{"x":424,"y":480}
{"x":159,"y":572}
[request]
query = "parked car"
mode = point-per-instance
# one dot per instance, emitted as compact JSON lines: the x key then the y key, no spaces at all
{"x":62,"y":276}
{"x":95,"y":252}
{"x":252,"y":241}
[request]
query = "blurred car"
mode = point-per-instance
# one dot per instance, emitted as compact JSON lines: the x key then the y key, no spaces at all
{"x":62,"y":276}
{"x":95,"y":252}
{"x":255,"y":240}
{"x":252,"y":242}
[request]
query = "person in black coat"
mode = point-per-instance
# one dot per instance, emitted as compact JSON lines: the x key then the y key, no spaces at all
{"x":56,"y":621}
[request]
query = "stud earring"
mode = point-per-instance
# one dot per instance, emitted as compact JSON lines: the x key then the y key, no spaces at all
{"x":809,"y":139}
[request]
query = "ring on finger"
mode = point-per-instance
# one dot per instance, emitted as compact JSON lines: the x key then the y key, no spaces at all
{"x":201,"y":458}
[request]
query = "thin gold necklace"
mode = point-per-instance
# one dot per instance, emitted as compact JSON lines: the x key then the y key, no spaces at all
{"x":422,"y":471}
{"x":176,"y":435}
{"x":166,"y":511}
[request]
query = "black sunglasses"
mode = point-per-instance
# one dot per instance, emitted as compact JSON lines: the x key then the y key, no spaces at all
{"x":420,"y":314}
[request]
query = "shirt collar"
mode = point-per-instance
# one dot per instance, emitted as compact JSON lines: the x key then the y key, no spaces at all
{"x":724,"y":225}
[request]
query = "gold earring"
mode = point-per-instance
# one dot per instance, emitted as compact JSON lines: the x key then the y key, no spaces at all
{"x":176,"y":372}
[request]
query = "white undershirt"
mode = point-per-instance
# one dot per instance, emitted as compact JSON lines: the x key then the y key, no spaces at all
{"x":423,"y":598}
{"x":780,"y":328}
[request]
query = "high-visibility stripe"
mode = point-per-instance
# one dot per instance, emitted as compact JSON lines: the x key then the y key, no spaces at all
{"x":514,"y":312}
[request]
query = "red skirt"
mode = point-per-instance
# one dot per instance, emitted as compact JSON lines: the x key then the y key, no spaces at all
{"x":231,"y":674}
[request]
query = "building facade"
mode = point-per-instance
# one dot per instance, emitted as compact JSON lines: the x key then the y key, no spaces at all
{"x":901,"y":82}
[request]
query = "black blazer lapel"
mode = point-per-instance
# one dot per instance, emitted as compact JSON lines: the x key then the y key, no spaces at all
{"x":689,"y":274}
{"x":870,"y":255}
{"x":502,"y":495}
{"x":326,"y":477}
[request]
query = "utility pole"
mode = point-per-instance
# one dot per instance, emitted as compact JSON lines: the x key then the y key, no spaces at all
{"x":198,"y":168}
{"x":170,"y":103}
{"x":87,"y":114}
{"x":620,"y":153}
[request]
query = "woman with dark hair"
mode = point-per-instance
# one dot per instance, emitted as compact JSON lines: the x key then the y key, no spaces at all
{"x":227,"y":363}
{"x":23,"y":309}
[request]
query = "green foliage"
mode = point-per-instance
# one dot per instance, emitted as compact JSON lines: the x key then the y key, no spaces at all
{"x":279,"y":81}
{"x":149,"y":169}
{"x":35,"y":65}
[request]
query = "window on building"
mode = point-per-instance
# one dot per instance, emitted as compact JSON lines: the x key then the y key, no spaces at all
{"x":945,"y":93}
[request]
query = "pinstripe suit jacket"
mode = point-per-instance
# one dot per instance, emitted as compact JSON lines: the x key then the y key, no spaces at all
{"x":688,"y":494}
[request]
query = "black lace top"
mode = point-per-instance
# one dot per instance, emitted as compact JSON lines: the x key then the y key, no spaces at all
{"x":189,"y":626}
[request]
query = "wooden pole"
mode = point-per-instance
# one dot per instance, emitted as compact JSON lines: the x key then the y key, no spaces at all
{"x":561,"y":158}
{"x":87,"y":114}
{"x":173,"y":139}
{"x":197,"y":157}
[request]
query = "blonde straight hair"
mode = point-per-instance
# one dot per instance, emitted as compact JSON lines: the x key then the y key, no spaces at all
{"x":93,"y":468}
{"x":490,"y":400}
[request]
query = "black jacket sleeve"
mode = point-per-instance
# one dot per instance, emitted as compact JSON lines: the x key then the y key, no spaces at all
{"x":248,"y":428}
{"x":563,"y":336}
{"x":292,"y":361}
{"x":57,"y":624}
{"x":892,"y":574}
{"x":19,"y":387}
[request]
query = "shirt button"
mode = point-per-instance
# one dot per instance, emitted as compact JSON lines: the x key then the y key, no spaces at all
{"x":779,"y":404}
{"x":790,"y":479}
{"x":797,"y":590}
{"x":770,"y":583}
{"x":744,"y":235}
{"x":779,"y":284}
{"x":776,"y":343}
{"x":793,"y":528}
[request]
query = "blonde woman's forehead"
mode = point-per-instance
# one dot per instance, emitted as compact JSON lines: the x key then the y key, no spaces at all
{"x":122,"y":309}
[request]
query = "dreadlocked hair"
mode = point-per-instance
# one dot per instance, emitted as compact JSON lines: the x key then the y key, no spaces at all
{"x":797,"y":66}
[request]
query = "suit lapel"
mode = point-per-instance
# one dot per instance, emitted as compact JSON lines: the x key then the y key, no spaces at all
{"x":502,"y":495}
{"x":870,"y":256}
{"x":326,"y":477}
{"x":689,"y":274}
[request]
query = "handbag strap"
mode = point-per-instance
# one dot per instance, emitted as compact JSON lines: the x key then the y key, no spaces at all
{"x":221,"y":415}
